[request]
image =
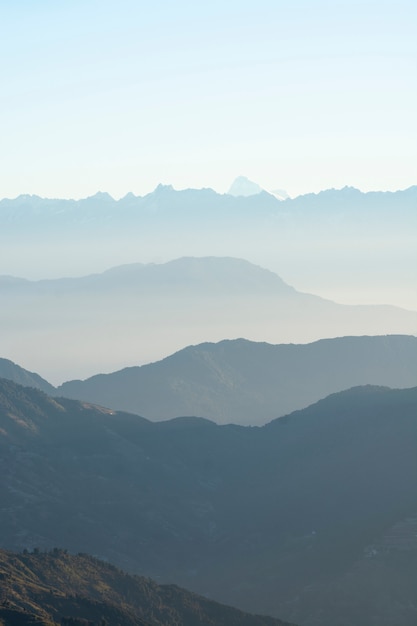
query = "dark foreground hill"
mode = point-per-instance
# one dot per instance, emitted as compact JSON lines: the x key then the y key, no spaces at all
{"x":57,"y":588}
{"x":312,"y":518}
{"x":68,"y":328}
{"x":243,"y":382}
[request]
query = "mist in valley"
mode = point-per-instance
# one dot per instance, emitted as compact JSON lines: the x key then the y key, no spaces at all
{"x":208,"y":314}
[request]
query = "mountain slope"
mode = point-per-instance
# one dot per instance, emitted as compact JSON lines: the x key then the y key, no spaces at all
{"x":290,"y":519}
{"x":242,"y":382}
{"x":11,"y":371}
{"x":77,"y":590}
{"x":140,"y":313}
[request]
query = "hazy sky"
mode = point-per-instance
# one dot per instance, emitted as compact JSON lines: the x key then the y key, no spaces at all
{"x":119,"y":96}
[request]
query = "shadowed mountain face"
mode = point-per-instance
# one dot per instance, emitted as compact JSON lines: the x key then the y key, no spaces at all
{"x":242,"y":382}
{"x":76,"y":327}
{"x":305,"y":518}
{"x":57,"y":588}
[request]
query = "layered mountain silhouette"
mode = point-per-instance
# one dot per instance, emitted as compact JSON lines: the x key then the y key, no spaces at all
{"x":337,"y":241}
{"x":243,"y":382}
{"x":134,"y":314}
{"x":312,"y":518}
{"x":51,"y":588}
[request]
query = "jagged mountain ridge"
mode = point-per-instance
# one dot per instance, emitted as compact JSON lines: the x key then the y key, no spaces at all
{"x":165,"y":198}
{"x":275,"y":520}
{"x":101,"y":209}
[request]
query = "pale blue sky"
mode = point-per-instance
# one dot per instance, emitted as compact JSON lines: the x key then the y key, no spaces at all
{"x":119,"y":96}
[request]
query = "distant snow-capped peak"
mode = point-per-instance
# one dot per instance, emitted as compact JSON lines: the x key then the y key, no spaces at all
{"x":242,"y":186}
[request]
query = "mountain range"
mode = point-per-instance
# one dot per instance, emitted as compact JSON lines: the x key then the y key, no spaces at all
{"x":335,"y":243}
{"x":243,"y":382}
{"x":312,"y":517}
{"x":196,"y":204}
{"x":239,"y":381}
{"x":134,"y":314}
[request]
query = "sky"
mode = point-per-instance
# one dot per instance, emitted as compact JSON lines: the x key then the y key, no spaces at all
{"x":301,"y":95}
